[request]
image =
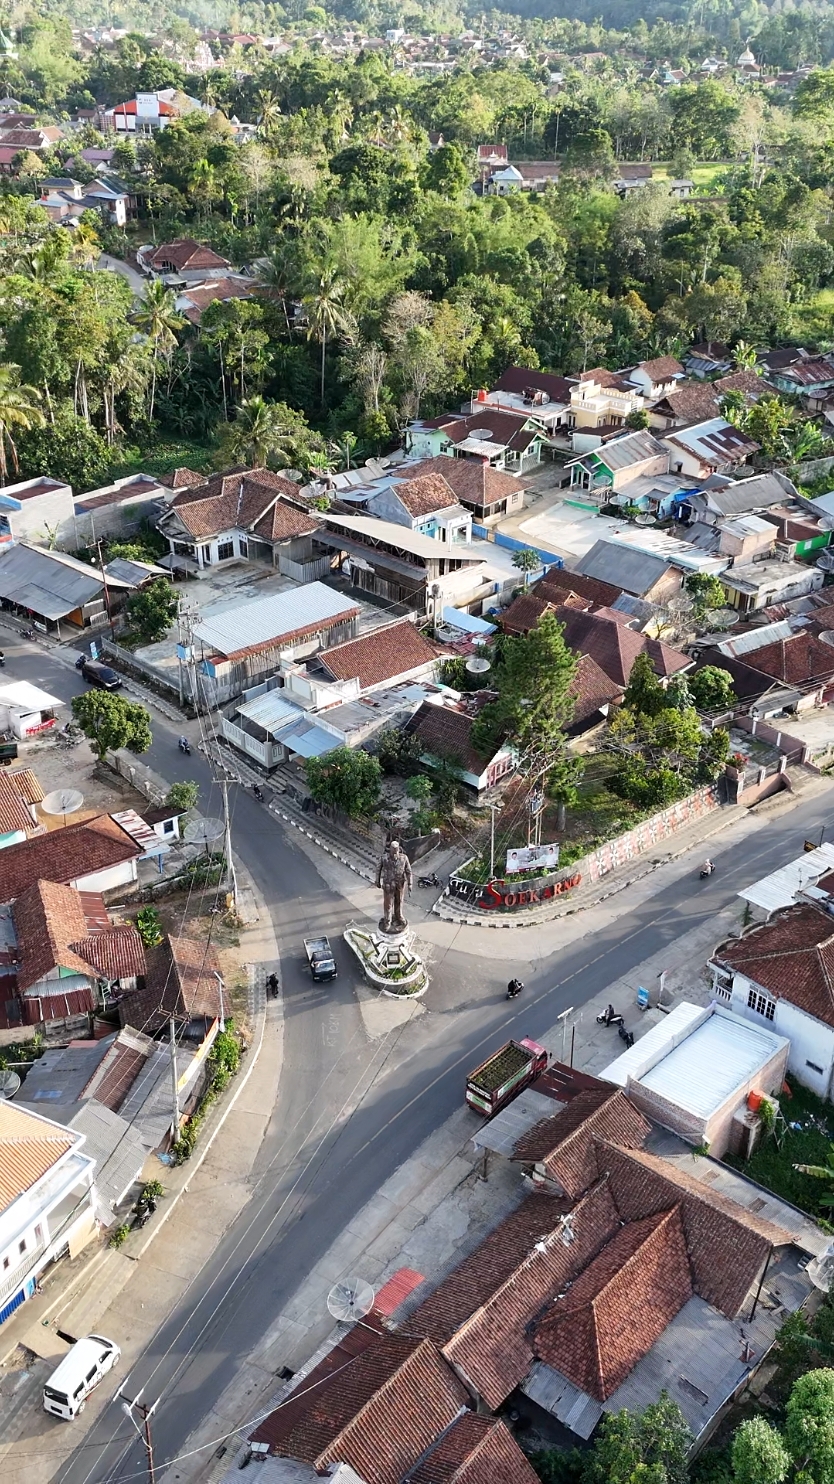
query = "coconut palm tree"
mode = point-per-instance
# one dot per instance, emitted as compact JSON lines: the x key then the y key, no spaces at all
{"x":19,"y":410}
{"x":745,"y":356}
{"x":256,"y":433}
{"x":326,"y":313}
{"x":159,"y":319}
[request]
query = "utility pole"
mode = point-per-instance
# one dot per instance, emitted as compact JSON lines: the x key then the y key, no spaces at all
{"x":144,"y":1432}
{"x":227,"y":841}
{"x":175,"y":1122}
{"x":492,"y":809}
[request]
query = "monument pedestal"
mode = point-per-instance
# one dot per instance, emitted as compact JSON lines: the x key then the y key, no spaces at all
{"x":389,"y":961}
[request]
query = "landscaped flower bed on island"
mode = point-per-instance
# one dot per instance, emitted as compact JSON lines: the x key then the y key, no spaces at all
{"x":392,"y":967}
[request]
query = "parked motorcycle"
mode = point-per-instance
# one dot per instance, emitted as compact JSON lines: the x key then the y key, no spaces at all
{"x":625,"y":1035}
{"x":432,"y":880}
{"x":144,"y":1211}
{"x":514,"y":989}
{"x":609,"y":1016}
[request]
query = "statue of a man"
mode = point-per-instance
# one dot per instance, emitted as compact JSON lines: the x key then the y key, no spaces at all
{"x":394,"y":876}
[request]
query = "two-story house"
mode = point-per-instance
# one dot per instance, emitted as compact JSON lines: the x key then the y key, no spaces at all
{"x":780,"y":975}
{"x":657,"y":378}
{"x":504,"y":440}
{"x":600,"y":402}
{"x":46,"y":1200}
{"x":424,"y":503}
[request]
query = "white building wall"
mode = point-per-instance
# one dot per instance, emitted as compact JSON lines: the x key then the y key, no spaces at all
{"x":107,"y":880}
{"x":44,"y":520}
{"x":811,"y":1057}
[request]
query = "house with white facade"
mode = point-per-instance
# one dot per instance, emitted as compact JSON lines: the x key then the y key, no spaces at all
{"x":657,"y":378}
{"x":707,"y":448}
{"x":39,"y":510}
{"x":779,"y":976}
{"x":46,"y":1200}
{"x":251,"y":515}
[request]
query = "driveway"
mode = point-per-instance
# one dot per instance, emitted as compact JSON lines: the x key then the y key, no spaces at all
{"x":115,"y":265}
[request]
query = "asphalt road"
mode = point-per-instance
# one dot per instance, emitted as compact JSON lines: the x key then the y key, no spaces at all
{"x":348,"y":1113}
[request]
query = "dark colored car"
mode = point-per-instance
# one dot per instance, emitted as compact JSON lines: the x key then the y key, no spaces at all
{"x":99,"y":674}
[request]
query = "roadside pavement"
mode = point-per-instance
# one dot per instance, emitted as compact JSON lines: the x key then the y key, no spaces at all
{"x":435,"y":1208}
{"x":131,"y":1291}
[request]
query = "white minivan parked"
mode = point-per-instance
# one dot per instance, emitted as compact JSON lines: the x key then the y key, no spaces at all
{"x":79,"y":1373}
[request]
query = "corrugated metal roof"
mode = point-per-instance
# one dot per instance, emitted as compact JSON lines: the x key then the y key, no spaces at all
{"x":756,"y":639}
{"x":634,"y":571}
{"x":779,"y":889}
{"x":308,"y":740}
{"x":270,"y":711}
{"x":412,"y":542}
{"x":50,"y":588}
{"x":118,"y":1151}
{"x":558,"y":1396}
{"x":705,"y":1069}
{"x":502,"y":1133}
{"x":25,"y":697}
{"x":60,"y":1076}
{"x":633,"y":448}
{"x":263,"y":620}
{"x":673,"y":1028}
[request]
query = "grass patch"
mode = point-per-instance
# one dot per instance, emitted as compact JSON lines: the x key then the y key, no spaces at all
{"x":167,"y":454}
{"x":772,"y":1164}
{"x":704,"y":175}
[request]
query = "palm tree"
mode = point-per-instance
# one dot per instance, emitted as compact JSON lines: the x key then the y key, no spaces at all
{"x":18,"y":410}
{"x":270,"y":113}
{"x":256,"y":433}
{"x":159,"y":319}
{"x":326,"y":314}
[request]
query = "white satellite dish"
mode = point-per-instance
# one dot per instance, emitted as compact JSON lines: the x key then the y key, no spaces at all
{"x":350,"y":1300}
{"x":724,"y":618}
{"x":477,"y":665}
{"x":9,"y":1083}
{"x":826,"y":637}
{"x":63,"y":801}
{"x":202,"y":831}
{"x":645,"y":519}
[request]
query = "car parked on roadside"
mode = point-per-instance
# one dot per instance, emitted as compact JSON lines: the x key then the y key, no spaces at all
{"x":99,"y":674}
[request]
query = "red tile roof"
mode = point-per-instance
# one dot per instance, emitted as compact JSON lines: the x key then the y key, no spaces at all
{"x":487,"y":1269}
{"x":619,"y":1306}
{"x":379,"y":1413}
{"x":54,"y":931}
{"x":186,"y":253}
{"x":727,"y":1245}
{"x":662,"y":368}
{"x":615,"y":647}
{"x":494,"y":1348}
{"x":565,"y":1143}
{"x":284,"y":521}
{"x":593,"y":689}
{"x":475,"y":1450}
{"x":558,"y":581}
{"x":182,"y":478}
{"x":395,"y":1292}
{"x":180,"y":983}
{"x":792,"y":957}
{"x":381,"y":655}
{"x":472,"y":482}
{"x":65,"y":855}
{"x":14,"y":816}
{"x":229,"y":502}
{"x":447,"y":734}
{"x":801,"y":659}
{"x":426,"y":493}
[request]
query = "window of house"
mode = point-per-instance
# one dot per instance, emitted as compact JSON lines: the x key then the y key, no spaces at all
{"x":815,"y":1068}
{"x":225,"y":550}
{"x":38,"y":1233}
{"x":761,"y":1003}
{"x":21,"y":1246}
{"x":6,"y":1261}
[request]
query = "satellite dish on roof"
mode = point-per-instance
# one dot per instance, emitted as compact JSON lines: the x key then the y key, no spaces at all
{"x":63,"y":801}
{"x":477,"y":666}
{"x":827,"y":637}
{"x":9,"y":1083}
{"x":724,"y":618}
{"x":203,"y":831}
{"x":644,"y":519}
{"x":350,"y":1300}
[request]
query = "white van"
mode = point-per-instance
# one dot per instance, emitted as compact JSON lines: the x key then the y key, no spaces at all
{"x":79,"y":1373}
